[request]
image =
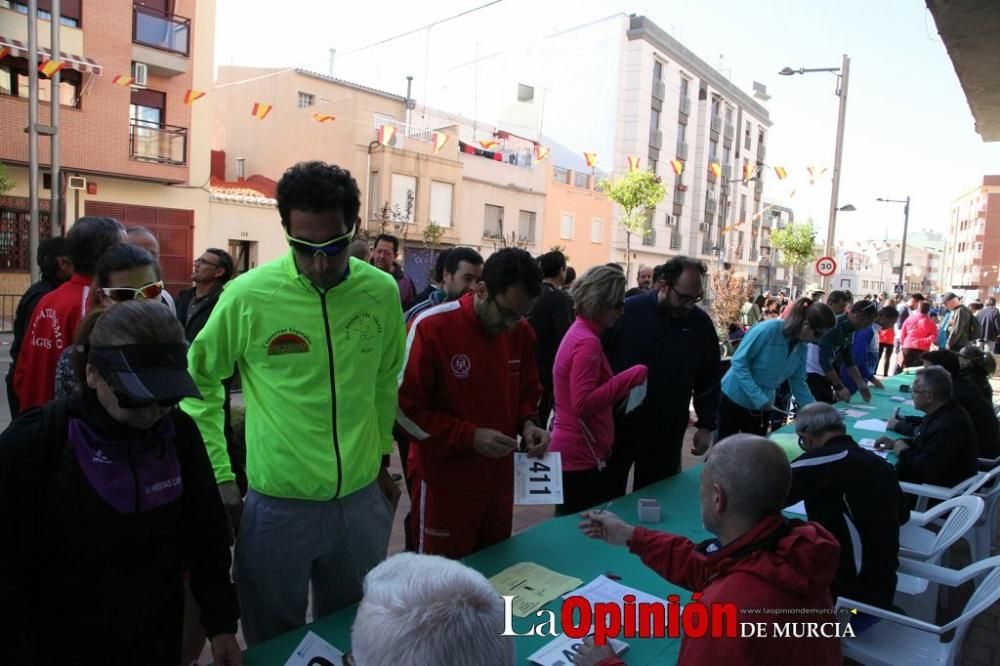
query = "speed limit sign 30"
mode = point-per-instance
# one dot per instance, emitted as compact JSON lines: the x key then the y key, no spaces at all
{"x":826,"y":266}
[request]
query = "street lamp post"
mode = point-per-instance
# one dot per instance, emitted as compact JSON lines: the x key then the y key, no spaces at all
{"x":906,"y":227}
{"x":842,"y":79}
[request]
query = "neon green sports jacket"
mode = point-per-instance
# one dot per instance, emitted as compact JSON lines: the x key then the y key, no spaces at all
{"x":320,"y":376}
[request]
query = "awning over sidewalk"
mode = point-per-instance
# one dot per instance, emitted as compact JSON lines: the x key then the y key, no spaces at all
{"x":19,"y":49}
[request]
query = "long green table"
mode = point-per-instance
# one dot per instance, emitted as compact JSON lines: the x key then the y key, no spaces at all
{"x":558,"y":545}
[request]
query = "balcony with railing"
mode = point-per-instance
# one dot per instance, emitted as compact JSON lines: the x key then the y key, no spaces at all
{"x":160,"y":40}
{"x":560,"y":175}
{"x":659,"y":89}
{"x":716,"y":124}
{"x":706,"y":246}
{"x":154,"y":142}
{"x":675,"y":240}
{"x":649,"y":238}
{"x":711,"y":205}
{"x":679,"y":197}
{"x":682,"y":150}
{"x":655,"y":138}
{"x":761,"y":152}
{"x":685,"y":107}
{"x":729,"y":131}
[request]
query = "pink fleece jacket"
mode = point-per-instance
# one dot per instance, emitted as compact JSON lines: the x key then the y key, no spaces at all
{"x":585,"y":390}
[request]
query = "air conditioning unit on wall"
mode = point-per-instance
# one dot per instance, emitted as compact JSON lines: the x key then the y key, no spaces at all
{"x":140,"y":72}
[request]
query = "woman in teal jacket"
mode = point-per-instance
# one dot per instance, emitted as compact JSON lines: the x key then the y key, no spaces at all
{"x":771,"y":352}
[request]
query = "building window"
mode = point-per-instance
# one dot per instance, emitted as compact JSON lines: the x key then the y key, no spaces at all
{"x":596,"y":230}
{"x":306,"y":100}
{"x":716,"y":104}
{"x":526,"y":226}
{"x":713,"y":151}
{"x":746,"y":136}
{"x":654,"y":119}
{"x":525,"y":93}
{"x":684,"y":87}
{"x":493,"y":222}
{"x":580,"y":179}
{"x":404,"y":197}
{"x":441,"y":197}
{"x":14,"y":82}
{"x":566,"y":226}
{"x":657,"y":70}
{"x":69,"y":10}
{"x":652,"y":166}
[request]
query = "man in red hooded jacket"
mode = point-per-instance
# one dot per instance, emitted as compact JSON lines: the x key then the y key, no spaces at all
{"x":759,"y":560}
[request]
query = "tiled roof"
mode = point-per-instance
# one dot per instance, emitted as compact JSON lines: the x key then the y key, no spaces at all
{"x":245,"y":192}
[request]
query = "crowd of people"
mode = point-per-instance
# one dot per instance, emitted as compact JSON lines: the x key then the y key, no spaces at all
{"x":123,"y":488}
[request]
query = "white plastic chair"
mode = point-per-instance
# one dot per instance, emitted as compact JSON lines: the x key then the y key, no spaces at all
{"x":927,"y":491}
{"x":985,"y":485}
{"x":899,"y":640}
{"x":918,"y":596}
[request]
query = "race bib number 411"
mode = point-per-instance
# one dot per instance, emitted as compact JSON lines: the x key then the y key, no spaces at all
{"x":538,"y":480}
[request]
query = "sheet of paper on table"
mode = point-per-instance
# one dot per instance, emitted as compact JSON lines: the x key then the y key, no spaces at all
{"x":866,"y":407}
{"x":798,"y":507}
{"x":314,"y":651}
{"x":855,"y":413}
{"x":874,"y":425}
{"x":635,"y":397}
{"x":603,"y":590}
{"x":898,"y":398}
{"x":562,"y":651}
{"x":869,"y":444}
{"x":532,"y":586}
{"x":538,"y":480}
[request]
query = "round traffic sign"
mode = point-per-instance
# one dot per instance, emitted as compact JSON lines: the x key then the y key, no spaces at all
{"x":826,"y":266}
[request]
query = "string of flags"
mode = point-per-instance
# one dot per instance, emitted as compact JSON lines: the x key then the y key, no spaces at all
{"x":633,"y":163}
{"x":192,"y":96}
{"x":50,"y":66}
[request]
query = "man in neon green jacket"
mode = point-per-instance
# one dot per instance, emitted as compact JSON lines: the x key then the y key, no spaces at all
{"x":318,"y":337}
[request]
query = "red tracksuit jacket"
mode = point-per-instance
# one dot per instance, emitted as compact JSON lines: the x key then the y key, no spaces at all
{"x":51,"y":329}
{"x":457,"y":378}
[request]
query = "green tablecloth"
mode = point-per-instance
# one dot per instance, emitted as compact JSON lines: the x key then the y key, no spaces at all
{"x":558,"y":545}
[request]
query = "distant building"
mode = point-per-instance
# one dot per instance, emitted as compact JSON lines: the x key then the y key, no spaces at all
{"x":972,"y":252}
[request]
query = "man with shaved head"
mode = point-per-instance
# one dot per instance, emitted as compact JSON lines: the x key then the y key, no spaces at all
{"x":759,"y":560}
{"x":854,"y":494}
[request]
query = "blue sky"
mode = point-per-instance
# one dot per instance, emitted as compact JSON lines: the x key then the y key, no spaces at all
{"x":909,"y":130}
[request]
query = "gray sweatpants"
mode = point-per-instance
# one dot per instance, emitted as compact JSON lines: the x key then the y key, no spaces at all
{"x":284,"y":544}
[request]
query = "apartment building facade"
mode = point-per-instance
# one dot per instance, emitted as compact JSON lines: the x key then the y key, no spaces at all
{"x":972,"y":250}
{"x":579,"y":219}
{"x":138,"y":152}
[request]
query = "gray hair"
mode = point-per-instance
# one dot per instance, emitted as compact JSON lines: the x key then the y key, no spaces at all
{"x":600,"y":286}
{"x":818,"y":418}
{"x":753,"y":471}
{"x":936,"y":381}
{"x":425,"y":609}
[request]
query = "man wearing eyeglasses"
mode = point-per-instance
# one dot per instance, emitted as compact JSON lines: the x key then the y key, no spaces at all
{"x":318,"y":338}
{"x":664,"y":330}
{"x":212,"y":270}
{"x":469,"y":389}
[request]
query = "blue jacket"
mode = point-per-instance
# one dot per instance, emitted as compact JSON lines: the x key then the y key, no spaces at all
{"x":859,"y":352}
{"x":765,"y":359}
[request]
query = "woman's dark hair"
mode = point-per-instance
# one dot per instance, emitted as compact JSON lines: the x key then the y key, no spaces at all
{"x":131,"y":322}
{"x":318,"y":187}
{"x":924,"y":307}
{"x":89,"y":238}
{"x":760,"y":301}
{"x":818,"y":315}
{"x":772,"y":305}
{"x":944,"y":358}
{"x":509,"y":267}
{"x":225,"y":263}
{"x":121,"y":258}
{"x":570,"y":276}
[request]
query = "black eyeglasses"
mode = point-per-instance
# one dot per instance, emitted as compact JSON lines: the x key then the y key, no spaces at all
{"x":687,"y":299}
{"x":204,"y":262}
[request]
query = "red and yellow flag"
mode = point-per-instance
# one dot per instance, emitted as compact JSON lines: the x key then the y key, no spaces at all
{"x":123,"y":80}
{"x":192,"y":96}
{"x":747,"y":173}
{"x":591,"y":159}
{"x":677,"y":166}
{"x":385,"y":134}
{"x":50,"y":67}
{"x":716,"y":169}
{"x":541,"y":152}
{"x":780,"y":173}
{"x":260,"y":110}
{"x":323,"y":117}
{"x":4,"y":50}
{"x":440,"y":139}
{"x":488,"y":144}
{"x":633,"y":163}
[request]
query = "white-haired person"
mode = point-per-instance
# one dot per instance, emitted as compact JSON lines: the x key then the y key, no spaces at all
{"x":586,"y":391}
{"x":419,"y":610}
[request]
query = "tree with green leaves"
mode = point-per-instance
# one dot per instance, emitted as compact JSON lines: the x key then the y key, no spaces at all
{"x":637,"y":194}
{"x":797,"y":245}
{"x":6,"y":184}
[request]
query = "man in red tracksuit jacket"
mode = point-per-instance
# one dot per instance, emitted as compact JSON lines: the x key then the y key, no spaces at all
{"x":469,"y":388}
{"x":772,"y":569}
{"x":53,"y":324}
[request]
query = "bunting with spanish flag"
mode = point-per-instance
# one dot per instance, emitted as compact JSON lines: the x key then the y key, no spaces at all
{"x":385,"y":134}
{"x":633,"y":163}
{"x":488,"y":144}
{"x":323,"y":117}
{"x":123,"y":80}
{"x":541,"y":152}
{"x":4,"y":50}
{"x":591,"y":159}
{"x":260,"y":110}
{"x":677,"y":166}
{"x":192,"y":96}
{"x":747,"y":173}
{"x":50,"y":67}
{"x":716,"y":169}
{"x":780,"y":172}
{"x":440,"y":139}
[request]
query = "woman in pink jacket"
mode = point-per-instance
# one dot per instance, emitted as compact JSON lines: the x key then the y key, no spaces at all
{"x":916,"y":335}
{"x":586,"y":391}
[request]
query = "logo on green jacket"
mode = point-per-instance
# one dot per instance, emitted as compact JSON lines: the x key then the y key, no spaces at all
{"x":288,"y":341}
{"x":365,"y":329}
